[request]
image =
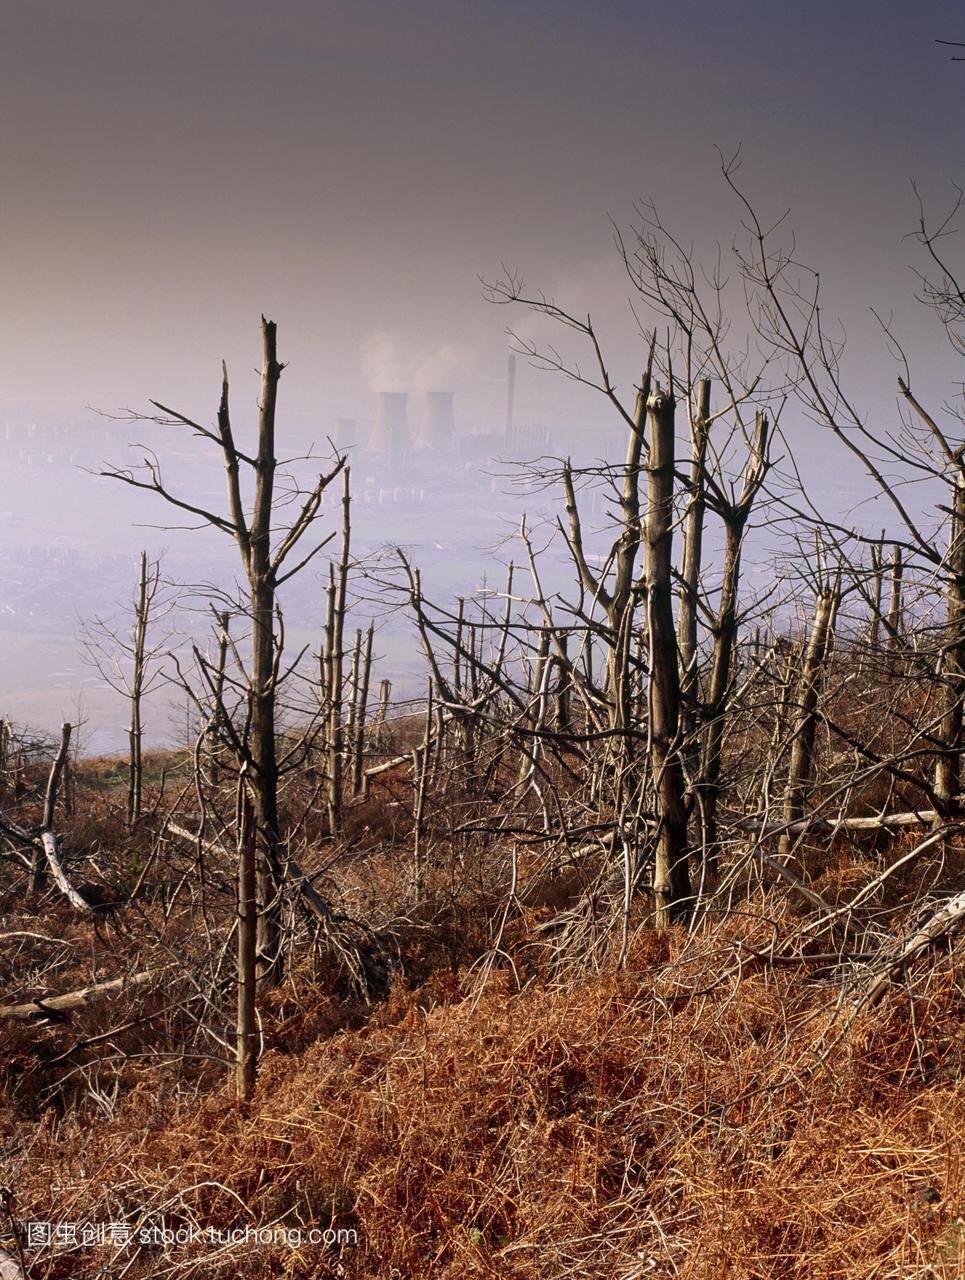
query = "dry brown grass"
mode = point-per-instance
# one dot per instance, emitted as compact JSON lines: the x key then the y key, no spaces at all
{"x":688,"y":1117}
{"x":702,"y":1113}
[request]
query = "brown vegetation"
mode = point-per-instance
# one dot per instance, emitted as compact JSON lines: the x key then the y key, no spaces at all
{"x":634,"y":949}
{"x":714,"y":1107}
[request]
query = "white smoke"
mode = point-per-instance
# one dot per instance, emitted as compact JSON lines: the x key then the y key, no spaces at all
{"x":393,"y":363}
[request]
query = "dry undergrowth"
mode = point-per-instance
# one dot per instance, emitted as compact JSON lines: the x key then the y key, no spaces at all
{"x":697,"y":1115}
{"x":705,"y":1112}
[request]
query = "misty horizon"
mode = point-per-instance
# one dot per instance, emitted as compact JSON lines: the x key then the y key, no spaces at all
{"x":360,"y":174}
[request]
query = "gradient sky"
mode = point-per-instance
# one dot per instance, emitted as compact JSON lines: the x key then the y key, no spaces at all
{"x":173,"y":169}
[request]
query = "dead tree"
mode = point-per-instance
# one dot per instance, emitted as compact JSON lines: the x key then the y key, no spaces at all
{"x":788,"y":316}
{"x":146,"y":591}
{"x":895,"y":610}
{"x":734,"y":512}
{"x":948,"y":781}
{"x":693,"y":541}
{"x":420,"y":772}
{"x":382,"y":715}
{"x":653,"y":741}
{"x":130,"y":665}
{"x":60,"y":1006}
{"x":49,"y":845}
{"x":360,"y":700}
{"x":671,"y":876}
{"x":801,"y":765}
{"x":46,"y":846}
{"x":6,"y":739}
{"x":245,"y":1025}
{"x":876,"y":594}
{"x":265,"y":557}
{"x":616,"y":597}
{"x":332,"y":667}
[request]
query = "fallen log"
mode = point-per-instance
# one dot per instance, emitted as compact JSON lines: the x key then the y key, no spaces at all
{"x":47,"y":825}
{"x":386,"y":766}
{"x":945,"y":921}
{"x":44,"y":845}
{"x":56,"y":1006}
{"x":76,"y":899}
{"x":374,"y":770}
{"x":826,"y":826}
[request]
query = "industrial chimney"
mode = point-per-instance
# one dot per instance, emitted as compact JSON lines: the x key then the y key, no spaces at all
{"x":390,"y":435}
{"x":438,"y":424}
{"x":510,"y":394}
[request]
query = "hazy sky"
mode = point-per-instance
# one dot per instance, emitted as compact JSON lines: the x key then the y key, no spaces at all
{"x":173,"y":169}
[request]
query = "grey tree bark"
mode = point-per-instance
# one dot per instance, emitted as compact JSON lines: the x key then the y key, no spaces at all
{"x":147,"y":585}
{"x":245,"y":1025}
{"x":801,"y":766}
{"x":671,"y":875}
{"x":264,"y":559}
{"x":948,"y":767}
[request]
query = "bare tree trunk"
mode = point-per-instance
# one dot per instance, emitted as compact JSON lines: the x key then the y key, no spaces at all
{"x":895,"y":606}
{"x":334,"y":638}
{"x":215,"y":729}
{"x":53,"y":780}
{"x":564,"y":685}
{"x":693,"y":544}
{"x":801,"y":765}
{"x":136,"y":733}
{"x":622,"y":601}
{"x":877,"y":593}
{"x":52,"y":854}
{"x":948,"y":766}
{"x":261,"y":579}
{"x":254,"y":740}
{"x":420,"y":773}
{"x":38,"y":873}
{"x":458,"y":648}
{"x":245,"y":1028}
{"x":725,"y":637}
{"x":382,"y":716}
{"x":671,"y":876}
{"x":535,"y":719}
{"x":6,"y":736}
{"x":354,"y":680}
{"x":361,"y":705}
{"x":49,"y":846}
{"x":735,"y":517}
{"x":619,"y":601}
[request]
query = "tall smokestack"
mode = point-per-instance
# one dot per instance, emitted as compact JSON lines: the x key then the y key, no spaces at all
{"x":510,"y":394}
{"x":438,"y":424}
{"x":390,"y":435}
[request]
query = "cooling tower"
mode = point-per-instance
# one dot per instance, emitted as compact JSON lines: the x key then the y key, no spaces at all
{"x":390,"y":435}
{"x":438,"y":424}
{"x":345,"y":435}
